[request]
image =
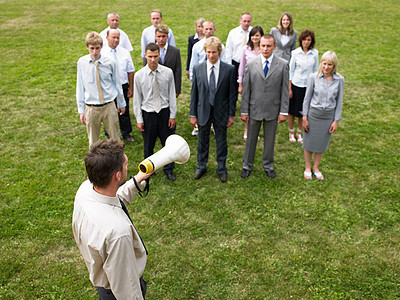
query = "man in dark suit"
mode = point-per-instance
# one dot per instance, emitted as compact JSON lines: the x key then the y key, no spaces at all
{"x":265,"y":100}
{"x":212,"y":101}
{"x":193,"y":39}
{"x":170,"y":56}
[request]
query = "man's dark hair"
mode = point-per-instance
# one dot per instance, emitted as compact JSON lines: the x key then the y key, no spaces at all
{"x":103,"y":160}
{"x":152,"y":47}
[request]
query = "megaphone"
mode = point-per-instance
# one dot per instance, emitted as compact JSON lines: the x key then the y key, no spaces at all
{"x":176,"y":149}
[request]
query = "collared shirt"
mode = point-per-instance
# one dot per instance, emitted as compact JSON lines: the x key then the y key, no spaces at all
{"x":248,"y":55}
{"x":165,"y":49}
{"x":199,"y":56}
{"x":324,"y":95}
{"x":124,"y":41}
{"x":302,"y":65}
{"x":263,"y":60}
{"x":108,"y":241}
{"x":143,"y":91}
{"x":216,"y":71}
{"x":86,"y":86}
{"x":235,"y":43}
{"x":149,"y":36}
{"x":124,"y":61}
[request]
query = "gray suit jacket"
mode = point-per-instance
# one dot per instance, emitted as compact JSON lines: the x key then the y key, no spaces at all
{"x":283,"y":51}
{"x":172,"y":60}
{"x":225,"y":100}
{"x":263,"y":97}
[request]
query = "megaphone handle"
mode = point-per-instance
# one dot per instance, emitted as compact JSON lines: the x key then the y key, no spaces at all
{"x":142,"y":193}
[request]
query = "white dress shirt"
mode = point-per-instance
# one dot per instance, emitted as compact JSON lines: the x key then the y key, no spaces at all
{"x":149,"y":36}
{"x":216,"y":71}
{"x":108,"y":241}
{"x":302,"y":65}
{"x":237,"y":38}
{"x":124,"y":61}
{"x":86,"y":86}
{"x":124,"y":41}
{"x":143,"y":91}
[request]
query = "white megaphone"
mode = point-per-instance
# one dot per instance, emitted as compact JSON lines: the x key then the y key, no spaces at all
{"x":176,"y":149}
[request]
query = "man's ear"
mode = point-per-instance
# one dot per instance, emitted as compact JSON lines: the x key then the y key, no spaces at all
{"x":118,"y":175}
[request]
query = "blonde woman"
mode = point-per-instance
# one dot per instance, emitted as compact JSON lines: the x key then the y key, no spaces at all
{"x":322,"y":110}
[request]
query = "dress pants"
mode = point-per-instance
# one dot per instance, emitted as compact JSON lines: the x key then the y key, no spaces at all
{"x":236,"y":74}
{"x":125,"y":124}
{"x":203,"y":145}
{"x":253,"y":130}
{"x":106,"y":114}
{"x":156,"y":125}
{"x":107,"y":294}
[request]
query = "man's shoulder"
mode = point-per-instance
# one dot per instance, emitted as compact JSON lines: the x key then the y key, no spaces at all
{"x":173,"y":49}
{"x":148,"y":29}
{"x":103,"y":33}
{"x":83,"y":59}
{"x":227,"y":66}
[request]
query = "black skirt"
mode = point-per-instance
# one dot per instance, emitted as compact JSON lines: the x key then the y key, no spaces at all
{"x":296,"y":103}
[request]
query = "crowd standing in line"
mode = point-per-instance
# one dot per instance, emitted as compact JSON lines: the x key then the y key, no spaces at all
{"x":274,"y":78}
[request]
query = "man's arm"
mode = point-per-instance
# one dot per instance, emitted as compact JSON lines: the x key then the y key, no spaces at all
{"x":137,"y":99}
{"x":171,"y":98}
{"x":178,"y":73}
{"x":284,"y":106}
{"x":194,"y":61}
{"x":80,"y":94}
{"x":171,"y":38}
{"x":244,"y":108}
{"x":130,"y":82}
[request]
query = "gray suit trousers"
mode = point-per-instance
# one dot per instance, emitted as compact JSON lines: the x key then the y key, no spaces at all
{"x":253,"y":130}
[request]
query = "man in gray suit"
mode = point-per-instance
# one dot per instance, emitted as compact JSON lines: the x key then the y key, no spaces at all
{"x":265,"y":100}
{"x":212,"y":101}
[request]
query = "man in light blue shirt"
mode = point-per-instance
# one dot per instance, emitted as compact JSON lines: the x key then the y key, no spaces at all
{"x":97,"y":89}
{"x":149,"y":33}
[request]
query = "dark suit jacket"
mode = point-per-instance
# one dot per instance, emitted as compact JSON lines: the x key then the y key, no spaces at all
{"x":191,"y":42}
{"x":172,"y":60}
{"x":225,"y":100}
{"x":263,"y":97}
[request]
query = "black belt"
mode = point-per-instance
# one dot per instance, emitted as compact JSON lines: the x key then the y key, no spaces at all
{"x":99,"y":105}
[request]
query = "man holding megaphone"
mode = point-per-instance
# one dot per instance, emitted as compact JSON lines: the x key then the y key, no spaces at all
{"x":154,"y":103}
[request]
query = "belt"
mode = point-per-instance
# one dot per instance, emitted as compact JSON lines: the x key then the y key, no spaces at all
{"x":99,"y":105}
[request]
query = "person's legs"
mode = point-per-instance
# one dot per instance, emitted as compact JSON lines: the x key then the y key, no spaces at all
{"x":110,"y":120}
{"x":253,"y":128}
{"x":269,"y":143}
{"x":203,"y":144}
{"x":222,"y":148}
{"x":93,"y":124}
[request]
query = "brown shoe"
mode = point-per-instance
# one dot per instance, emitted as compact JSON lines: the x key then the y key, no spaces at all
{"x":130,"y":139}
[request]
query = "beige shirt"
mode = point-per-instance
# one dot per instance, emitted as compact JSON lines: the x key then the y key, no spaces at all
{"x":109,"y":243}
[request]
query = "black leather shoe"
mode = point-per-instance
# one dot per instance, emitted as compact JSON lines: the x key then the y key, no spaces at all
{"x":245,"y":173}
{"x":171,"y":176}
{"x":223,"y":177}
{"x":199,"y":174}
{"x":270,"y":173}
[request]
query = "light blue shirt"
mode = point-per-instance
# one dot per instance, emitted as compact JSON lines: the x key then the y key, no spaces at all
{"x":324,"y":95}
{"x":86,"y":86}
{"x":302,"y":65}
{"x":149,"y":36}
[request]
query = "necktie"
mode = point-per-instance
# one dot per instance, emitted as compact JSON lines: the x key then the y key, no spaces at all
{"x":162,"y":55}
{"x":114,"y":52}
{"x":244,"y":38}
{"x":100,"y":91}
{"x":212,"y":86}
{"x":127,"y":213}
{"x":156,"y":93}
{"x":266,"y":68}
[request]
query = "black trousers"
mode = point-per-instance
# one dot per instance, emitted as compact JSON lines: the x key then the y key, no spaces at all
{"x":105,"y":294}
{"x":236,"y":74}
{"x":156,"y":125}
{"x":125,"y":124}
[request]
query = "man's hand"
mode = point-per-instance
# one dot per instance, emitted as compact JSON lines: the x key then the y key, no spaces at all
{"x":240,"y":89}
{"x":121,"y":111}
{"x":282,"y":118}
{"x":83,"y":118}
{"x":139,"y":177}
{"x":193,"y":121}
{"x":187,"y":74}
{"x":140,"y":126}
{"x":130,"y":93}
{"x":231,"y":120}
{"x":244,"y":118}
{"x":171,"y":123}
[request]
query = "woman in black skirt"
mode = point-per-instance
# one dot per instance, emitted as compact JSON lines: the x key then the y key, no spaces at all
{"x":303,"y":62}
{"x":322,"y":110}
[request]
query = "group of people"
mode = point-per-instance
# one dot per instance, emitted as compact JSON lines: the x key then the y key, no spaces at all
{"x":276,"y":81}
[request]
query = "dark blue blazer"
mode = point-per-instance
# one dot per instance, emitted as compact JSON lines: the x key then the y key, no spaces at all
{"x":225,"y":100}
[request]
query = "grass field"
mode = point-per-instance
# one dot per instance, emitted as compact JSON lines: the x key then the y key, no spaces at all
{"x":247,"y":239}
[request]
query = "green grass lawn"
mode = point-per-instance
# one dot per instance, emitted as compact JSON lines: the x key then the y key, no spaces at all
{"x":247,"y":239}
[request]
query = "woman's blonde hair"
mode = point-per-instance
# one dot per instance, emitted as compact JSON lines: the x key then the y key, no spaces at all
{"x":329,"y":56}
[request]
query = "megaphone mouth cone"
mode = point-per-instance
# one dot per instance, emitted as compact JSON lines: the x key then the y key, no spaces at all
{"x":175,"y":139}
